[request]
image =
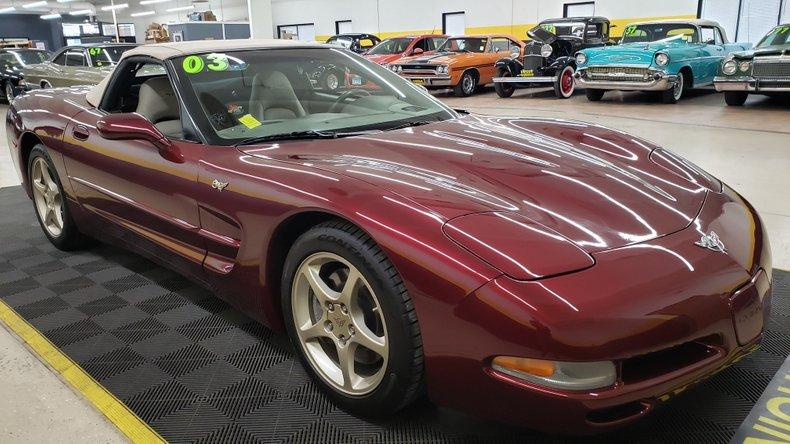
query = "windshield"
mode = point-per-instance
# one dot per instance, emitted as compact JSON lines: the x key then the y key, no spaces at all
{"x":565,"y":29}
{"x":391,"y":46}
{"x":653,"y":32}
{"x":107,"y":55}
{"x":32,"y":57}
{"x":464,"y":44}
{"x":261,"y":93}
{"x":777,"y":37}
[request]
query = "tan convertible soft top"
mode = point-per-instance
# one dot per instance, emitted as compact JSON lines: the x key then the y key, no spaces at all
{"x":164,"y":51}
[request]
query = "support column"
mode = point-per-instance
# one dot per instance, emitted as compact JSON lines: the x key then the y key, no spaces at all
{"x":261,"y":24}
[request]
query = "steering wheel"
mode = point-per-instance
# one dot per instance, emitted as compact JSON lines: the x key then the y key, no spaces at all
{"x":218,"y":113}
{"x":341,"y":101}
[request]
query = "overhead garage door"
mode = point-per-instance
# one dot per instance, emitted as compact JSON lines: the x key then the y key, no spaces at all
{"x":724,"y":12}
{"x":581,"y":9}
{"x":757,"y":18}
{"x":454,"y":23}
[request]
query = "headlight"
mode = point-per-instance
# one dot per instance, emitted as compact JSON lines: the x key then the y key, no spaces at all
{"x":662,"y":59}
{"x":515,"y":54}
{"x":556,"y":374}
{"x":729,"y":67}
{"x":744,"y":66}
{"x":546,"y":50}
{"x":443,"y":69}
{"x":581,"y":59}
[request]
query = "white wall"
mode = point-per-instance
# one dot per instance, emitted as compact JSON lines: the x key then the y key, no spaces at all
{"x":394,"y":17}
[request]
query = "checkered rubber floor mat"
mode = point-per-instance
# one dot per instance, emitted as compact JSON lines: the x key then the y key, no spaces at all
{"x":198,"y":371}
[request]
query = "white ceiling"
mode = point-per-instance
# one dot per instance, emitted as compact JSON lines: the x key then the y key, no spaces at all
{"x":56,"y":6}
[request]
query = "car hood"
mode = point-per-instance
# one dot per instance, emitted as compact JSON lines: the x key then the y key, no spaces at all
{"x":763,"y":52}
{"x":441,"y":58}
{"x":383,"y":58}
{"x":630,"y":53}
{"x":597,"y":187}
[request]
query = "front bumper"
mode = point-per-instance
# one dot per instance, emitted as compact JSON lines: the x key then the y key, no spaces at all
{"x":659,"y":81}
{"x":430,"y":81}
{"x":667,"y":312}
{"x":751,"y":84}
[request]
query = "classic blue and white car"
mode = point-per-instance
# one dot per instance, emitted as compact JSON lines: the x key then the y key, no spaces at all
{"x":668,"y":56}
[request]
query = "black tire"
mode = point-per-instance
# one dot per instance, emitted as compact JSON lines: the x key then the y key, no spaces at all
{"x":735,"y":98}
{"x":70,"y":237}
{"x":403,"y":381}
{"x":560,"y":89}
{"x":45,"y":84}
{"x":504,"y":90}
{"x":594,"y":95}
{"x":466,"y":86}
{"x":8,"y":91}
{"x":674,"y":94}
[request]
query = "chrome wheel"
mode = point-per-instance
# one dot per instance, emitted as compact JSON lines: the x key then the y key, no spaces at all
{"x":9,"y":92}
{"x":677,"y":92}
{"x":339,"y":323}
{"x":468,"y":84}
{"x":47,"y":197}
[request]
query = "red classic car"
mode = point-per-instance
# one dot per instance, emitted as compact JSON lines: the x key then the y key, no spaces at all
{"x":555,"y":274}
{"x":395,"y":48}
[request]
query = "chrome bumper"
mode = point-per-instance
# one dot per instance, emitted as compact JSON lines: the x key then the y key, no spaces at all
{"x":659,"y":82}
{"x":525,"y":79}
{"x":751,"y":84}
{"x":430,"y":80}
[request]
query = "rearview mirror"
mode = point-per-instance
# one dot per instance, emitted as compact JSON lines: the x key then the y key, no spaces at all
{"x":417,"y":51}
{"x":133,"y":126}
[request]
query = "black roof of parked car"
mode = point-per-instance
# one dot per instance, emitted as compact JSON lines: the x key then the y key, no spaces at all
{"x":596,"y":19}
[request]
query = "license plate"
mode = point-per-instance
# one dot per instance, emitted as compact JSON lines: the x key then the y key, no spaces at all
{"x":418,"y":81}
{"x":526,"y":73}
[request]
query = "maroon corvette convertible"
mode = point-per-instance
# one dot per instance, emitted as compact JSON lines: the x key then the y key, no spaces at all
{"x":549,"y":273}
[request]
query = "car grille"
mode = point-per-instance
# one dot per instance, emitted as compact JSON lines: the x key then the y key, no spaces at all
{"x":773,"y":69}
{"x":618,"y":73}
{"x":429,"y":70}
{"x":658,"y":363}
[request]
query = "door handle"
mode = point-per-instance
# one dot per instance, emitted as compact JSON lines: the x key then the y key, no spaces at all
{"x":80,"y":132}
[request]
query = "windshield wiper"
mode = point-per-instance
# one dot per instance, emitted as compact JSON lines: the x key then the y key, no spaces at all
{"x":411,"y":124}
{"x":301,"y":135}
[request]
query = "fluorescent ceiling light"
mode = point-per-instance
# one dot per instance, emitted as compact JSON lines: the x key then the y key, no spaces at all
{"x":65,"y":1}
{"x":34,"y":4}
{"x":81,"y":12}
{"x":8,"y":9}
{"x":153,"y":2}
{"x":142,"y":14}
{"x":181,"y":8}
{"x":54,"y":15}
{"x":113,"y":7}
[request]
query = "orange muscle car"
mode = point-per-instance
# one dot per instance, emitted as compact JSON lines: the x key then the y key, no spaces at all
{"x":462,"y":63}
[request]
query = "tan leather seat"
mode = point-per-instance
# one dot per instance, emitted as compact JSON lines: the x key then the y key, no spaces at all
{"x":159,"y":104}
{"x":273,"y":97}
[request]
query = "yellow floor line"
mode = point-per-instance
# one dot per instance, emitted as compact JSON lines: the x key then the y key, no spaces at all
{"x":116,"y":411}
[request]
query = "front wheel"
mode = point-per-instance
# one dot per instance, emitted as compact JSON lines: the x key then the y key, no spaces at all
{"x":504,"y":89}
{"x":594,"y":95}
{"x":8,"y":90}
{"x":50,"y":204}
{"x":351,"y":319}
{"x":564,"y":86}
{"x":466,"y":86}
{"x":674,"y":94}
{"x":735,"y":98}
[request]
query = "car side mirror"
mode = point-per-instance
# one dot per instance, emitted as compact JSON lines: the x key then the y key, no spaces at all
{"x":417,"y":51}
{"x":133,"y":126}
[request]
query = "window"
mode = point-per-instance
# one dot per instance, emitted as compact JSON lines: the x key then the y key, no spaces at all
{"x":500,"y":45}
{"x":437,"y":42}
{"x":107,"y":55}
{"x":719,"y":38}
{"x":464,"y":44}
{"x":580,"y":9}
{"x":76,"y":58}
{"x":453,"y":23}
{"x":708,"y":36}
{"x":652,"y":32}
{"x":343,"y":27}
{"x":304,"y":32}
{"x":7,"y":61}
{"x":60,"y":59}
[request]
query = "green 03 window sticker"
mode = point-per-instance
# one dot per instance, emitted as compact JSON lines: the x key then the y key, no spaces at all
{"x":213,"y":62}
{"x":193,"y":64}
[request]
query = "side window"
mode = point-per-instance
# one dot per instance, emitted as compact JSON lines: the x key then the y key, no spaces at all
{"x":437,"y":42}
{"x":708,"y":36}
{"x":6,"y":60}
{"x":424,"y":44}
{"x":75,"y":58}
{"x":500,"y":45}
{"x":719,"y":37}
{"x":60,"y":59}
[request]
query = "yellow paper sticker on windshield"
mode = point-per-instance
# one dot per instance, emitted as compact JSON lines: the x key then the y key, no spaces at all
{"x":249,"y":121}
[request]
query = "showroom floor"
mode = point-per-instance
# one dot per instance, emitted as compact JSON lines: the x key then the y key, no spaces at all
{"x":722,"y":140}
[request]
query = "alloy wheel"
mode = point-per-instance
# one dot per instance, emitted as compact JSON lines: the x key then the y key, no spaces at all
{"x":340,"y":324}
{"x":9,"y":92}
{"x":47,"y":197}
{"x":468,"y":84}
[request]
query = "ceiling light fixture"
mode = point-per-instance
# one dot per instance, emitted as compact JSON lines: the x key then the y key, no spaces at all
{"x":153,"y":2}
{"x":52,"y":16}
{"x":65,"y":1}
{"x":81,"y":12}
{"x":181,"y":8}
{"x":8,"y":9}
{"x":34,"y":4}
{"x":142,"y":14}
{"x":114,"y":7}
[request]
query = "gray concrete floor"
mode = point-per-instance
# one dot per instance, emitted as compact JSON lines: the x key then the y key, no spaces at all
{"x":748,"y":148}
